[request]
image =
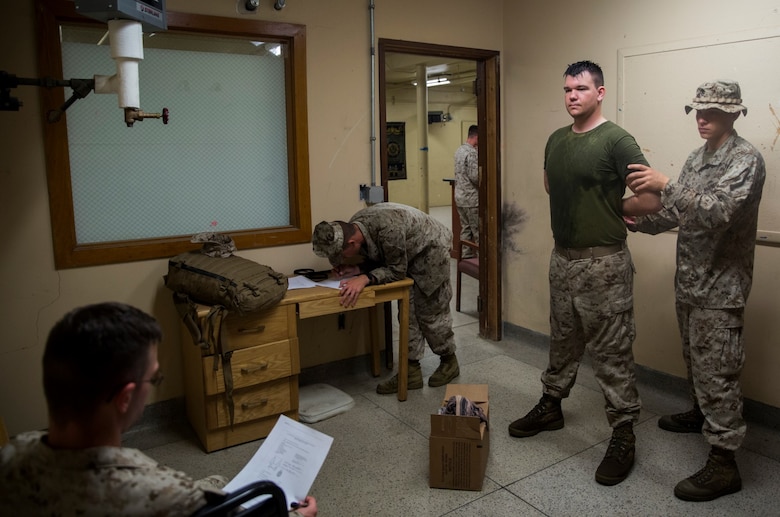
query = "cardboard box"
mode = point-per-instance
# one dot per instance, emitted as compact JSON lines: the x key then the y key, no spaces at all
{"x":459,"y":445}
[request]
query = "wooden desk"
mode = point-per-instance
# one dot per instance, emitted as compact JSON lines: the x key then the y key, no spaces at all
{"x":319,"y":301}
{"x":264,"y":363}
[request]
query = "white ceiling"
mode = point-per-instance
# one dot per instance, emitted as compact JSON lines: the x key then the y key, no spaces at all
{"x":401,"y":70}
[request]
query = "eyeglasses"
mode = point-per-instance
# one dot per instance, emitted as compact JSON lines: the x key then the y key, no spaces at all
{"x":156,"y":379}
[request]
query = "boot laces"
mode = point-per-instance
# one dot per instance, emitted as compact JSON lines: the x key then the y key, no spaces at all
{"x":705,"y":474}
{"x":618,"y":447}
{"x":538,"y":411}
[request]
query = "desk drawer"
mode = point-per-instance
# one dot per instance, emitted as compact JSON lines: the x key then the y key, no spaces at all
{"x":251,"y":366}
{"x":312,"y":308}
{"x":253,"y":403}
{"x":247,"y":330}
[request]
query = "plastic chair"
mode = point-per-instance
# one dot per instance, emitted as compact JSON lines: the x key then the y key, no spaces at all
{"x":468,"y":266}
{"x":230,"y":504}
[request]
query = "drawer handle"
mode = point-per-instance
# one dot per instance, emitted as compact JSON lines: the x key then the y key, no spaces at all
{"x":250,"y":405}
{"x":252,"y":330}
{"x":253,"y":369}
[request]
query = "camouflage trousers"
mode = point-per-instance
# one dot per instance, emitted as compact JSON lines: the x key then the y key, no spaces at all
{"x":430,"y":319}
{"x":469,"y":227}
{"x":714,"y":356}
{"x":591,"y":308}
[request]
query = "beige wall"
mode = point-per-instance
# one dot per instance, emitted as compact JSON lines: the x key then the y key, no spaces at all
{"x":34,"y":295}
{"x":540,"y":39}
{"x":443,"y":140}
{"x":537,"y":40}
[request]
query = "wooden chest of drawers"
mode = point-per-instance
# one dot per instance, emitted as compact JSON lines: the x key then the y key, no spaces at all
{"x":264,"y":367}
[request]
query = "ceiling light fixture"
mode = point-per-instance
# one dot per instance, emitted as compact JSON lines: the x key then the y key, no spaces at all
{"x":435,"y":81}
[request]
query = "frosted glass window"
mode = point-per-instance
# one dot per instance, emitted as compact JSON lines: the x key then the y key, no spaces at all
{"x":219,"y":164}
{"x":234,"y":157}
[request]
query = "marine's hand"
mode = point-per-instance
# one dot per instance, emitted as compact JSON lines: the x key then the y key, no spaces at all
{"x":307,"y":507}
{"x":645,"y":179}
{"x":351,"y":289}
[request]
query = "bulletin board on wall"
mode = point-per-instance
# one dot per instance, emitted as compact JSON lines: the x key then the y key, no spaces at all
{"x":656,"y":82}
{"x":396,"y":150}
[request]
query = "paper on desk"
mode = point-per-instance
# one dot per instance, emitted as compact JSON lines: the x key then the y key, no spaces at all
{"x":333,"y":284}
{"x":291,"y":456}
{"x":300,"y":282}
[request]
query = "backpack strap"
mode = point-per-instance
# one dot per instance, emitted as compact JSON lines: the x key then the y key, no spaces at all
{"x":210,"y":335}
{"x":189,"y":316}
{"x":218,"y":335}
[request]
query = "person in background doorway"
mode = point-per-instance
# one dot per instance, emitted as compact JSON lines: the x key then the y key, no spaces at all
{"x":591,"y":271}
{"x":397,"y":241}
{"x":714,"y":204}
{"x":99,"y":366}
{"x":467,"y":190}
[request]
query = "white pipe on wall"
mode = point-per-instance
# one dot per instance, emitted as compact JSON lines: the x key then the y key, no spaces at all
{"x":422,"y":134}
{"x":126,"y":40}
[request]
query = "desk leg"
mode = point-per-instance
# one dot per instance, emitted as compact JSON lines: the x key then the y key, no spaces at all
{"x":376,"y":338}
{"x":388,"y":335}
{"x":403,"y":345}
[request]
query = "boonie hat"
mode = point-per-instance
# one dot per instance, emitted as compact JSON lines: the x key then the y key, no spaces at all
{"x":721,"y":95}
{"x":328,"y":241}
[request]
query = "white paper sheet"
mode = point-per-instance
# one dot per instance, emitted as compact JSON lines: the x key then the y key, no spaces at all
{"x":333,"y":284}
{"x":300,"y":282}
{"x":291,"y":456}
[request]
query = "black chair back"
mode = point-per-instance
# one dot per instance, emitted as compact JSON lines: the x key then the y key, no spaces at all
{"x":230,"y":505}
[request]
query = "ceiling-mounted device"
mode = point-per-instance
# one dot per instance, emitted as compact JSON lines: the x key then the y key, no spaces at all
{"x":150,"y":13}
{"x":126,"y":19}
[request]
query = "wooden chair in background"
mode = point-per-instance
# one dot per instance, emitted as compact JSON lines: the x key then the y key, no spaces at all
{"x":468,"y":266}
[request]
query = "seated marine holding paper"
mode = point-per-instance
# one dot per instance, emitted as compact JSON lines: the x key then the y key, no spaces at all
{"x":99,"y":364}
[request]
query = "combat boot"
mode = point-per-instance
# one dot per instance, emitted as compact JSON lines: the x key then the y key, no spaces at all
{"x":688,"y":422}
{"x":448,"y":369}
{"x":619,"y":458}
{"x":414,"y":381}
{"x":545,"y":416}
{"x":720,"y":476}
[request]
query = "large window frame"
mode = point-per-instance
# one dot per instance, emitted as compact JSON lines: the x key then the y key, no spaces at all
{"x":68,"y":253}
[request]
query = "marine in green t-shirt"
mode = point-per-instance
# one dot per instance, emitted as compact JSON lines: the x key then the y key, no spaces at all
{"x":586,"y":177}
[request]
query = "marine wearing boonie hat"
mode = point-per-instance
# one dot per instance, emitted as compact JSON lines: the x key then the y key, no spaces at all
{"x":328,"y":241}
{"x":722,"y":95}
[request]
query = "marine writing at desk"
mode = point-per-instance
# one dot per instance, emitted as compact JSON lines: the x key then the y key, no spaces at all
{"x":397,"y":241}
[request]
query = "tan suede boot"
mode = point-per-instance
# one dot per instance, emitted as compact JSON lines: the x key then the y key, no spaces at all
{"x":414,"y":381}
{"x":448,"y":369}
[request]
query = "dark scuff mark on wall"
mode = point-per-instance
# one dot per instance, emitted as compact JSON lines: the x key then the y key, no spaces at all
{"x":513,"y":220}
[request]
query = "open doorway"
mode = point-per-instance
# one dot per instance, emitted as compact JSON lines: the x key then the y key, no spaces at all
{"x":471,"y":97}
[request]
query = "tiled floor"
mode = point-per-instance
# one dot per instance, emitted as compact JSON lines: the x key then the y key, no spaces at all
{"x":378,"y":464}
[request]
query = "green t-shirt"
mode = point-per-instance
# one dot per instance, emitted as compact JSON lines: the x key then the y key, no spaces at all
{"x":586,"y":176}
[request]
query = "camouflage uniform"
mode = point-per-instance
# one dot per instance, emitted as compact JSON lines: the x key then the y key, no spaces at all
{"x":715,"y":204}
{"x":591,"y":297}
{"x":110,"y":481}
{"x":591,"y":307}
{"x":467,"y":194}
{"x":402,"y":241}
